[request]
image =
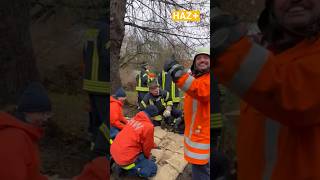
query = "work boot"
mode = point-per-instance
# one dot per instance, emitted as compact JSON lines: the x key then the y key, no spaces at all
{"x":179,"y":126}
{"x":118,"y":171}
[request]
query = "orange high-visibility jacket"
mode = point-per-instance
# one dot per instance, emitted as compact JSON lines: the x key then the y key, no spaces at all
{"x":284,"y":142}
{"x":197,"y":117}
{"x":19,"y":152}
{"x":117,"y":118}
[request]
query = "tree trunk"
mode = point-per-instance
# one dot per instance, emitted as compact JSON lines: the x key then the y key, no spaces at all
{"x":17,"y":60}
{"x":117,"y":13}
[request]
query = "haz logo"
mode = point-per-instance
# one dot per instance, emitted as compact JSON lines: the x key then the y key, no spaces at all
{"x":184,"y":15}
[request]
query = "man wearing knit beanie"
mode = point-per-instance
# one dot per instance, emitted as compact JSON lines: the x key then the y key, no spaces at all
{"x":117,"y":119}
{"x":35,"y":105}
{"x":20,"y":134}
{"x":120,"y":93}
{"x":131,"y":149}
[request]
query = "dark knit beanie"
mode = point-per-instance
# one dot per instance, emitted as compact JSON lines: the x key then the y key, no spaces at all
{"x":34,"y":99}
{"x":120,"y":93}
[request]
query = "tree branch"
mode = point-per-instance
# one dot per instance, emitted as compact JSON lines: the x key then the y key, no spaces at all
{"x":148,"y":29}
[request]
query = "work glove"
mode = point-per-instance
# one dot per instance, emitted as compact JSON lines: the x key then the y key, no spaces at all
{"x":174,"y":69}
{"x":227,"y":30}
{"x":166,"y":113}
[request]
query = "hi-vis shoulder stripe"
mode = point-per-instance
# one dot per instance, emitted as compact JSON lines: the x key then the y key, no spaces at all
{"x":96,"y":86}
{"x":249,"y":69}
{"x":187,"y":83}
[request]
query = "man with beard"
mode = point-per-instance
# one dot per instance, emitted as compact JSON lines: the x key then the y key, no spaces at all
{"x":279,"y":126}
{"x":196,"y":110}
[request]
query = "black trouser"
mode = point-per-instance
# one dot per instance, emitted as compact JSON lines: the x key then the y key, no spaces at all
{"x":219,"y":162}
{"x":216,"y":137}
{"x":156,"y":123}
{"x":99,"y":113}
{"x":101,"y":146}
{"x":175,"y":113}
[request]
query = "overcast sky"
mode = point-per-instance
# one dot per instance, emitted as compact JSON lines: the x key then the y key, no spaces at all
{"x":144,"y":11}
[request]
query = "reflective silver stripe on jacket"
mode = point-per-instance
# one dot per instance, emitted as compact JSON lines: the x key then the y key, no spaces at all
{"x":249,"y":69}
{"x":194,"y":113}
{"x":196,"y":155}
{"x":197,"y":145}
{"x":271,"y":143}
{"x":187,"y":83}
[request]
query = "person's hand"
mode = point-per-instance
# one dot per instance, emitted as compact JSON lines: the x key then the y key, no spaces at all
{"x":169,"y":64}
{"x":174,"y":69}
{"x":166,"y":113}
{"x":227,"y":29}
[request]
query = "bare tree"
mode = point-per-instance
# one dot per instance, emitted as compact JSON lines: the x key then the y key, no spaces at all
{"x":153,"y":49}
{"x":154,"y":17}
{"x":117,"y":14}
{"x":149,"y":23}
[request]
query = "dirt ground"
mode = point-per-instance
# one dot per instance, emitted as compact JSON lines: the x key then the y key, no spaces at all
{"x":58,"y":49}
{"x":65,"y":147}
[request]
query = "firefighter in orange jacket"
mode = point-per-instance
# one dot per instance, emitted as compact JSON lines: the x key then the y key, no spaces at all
{"x":196,"y":110}
{"x":279,"y":130}
{"x":117,"y":119}
{"x":131,"y":149}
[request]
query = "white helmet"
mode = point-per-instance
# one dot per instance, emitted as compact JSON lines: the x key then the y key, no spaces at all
{"x":201,"y":50}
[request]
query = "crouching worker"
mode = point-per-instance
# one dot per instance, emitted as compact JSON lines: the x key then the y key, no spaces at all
{"x":117,"y":120}
{"x":131,"y":149}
